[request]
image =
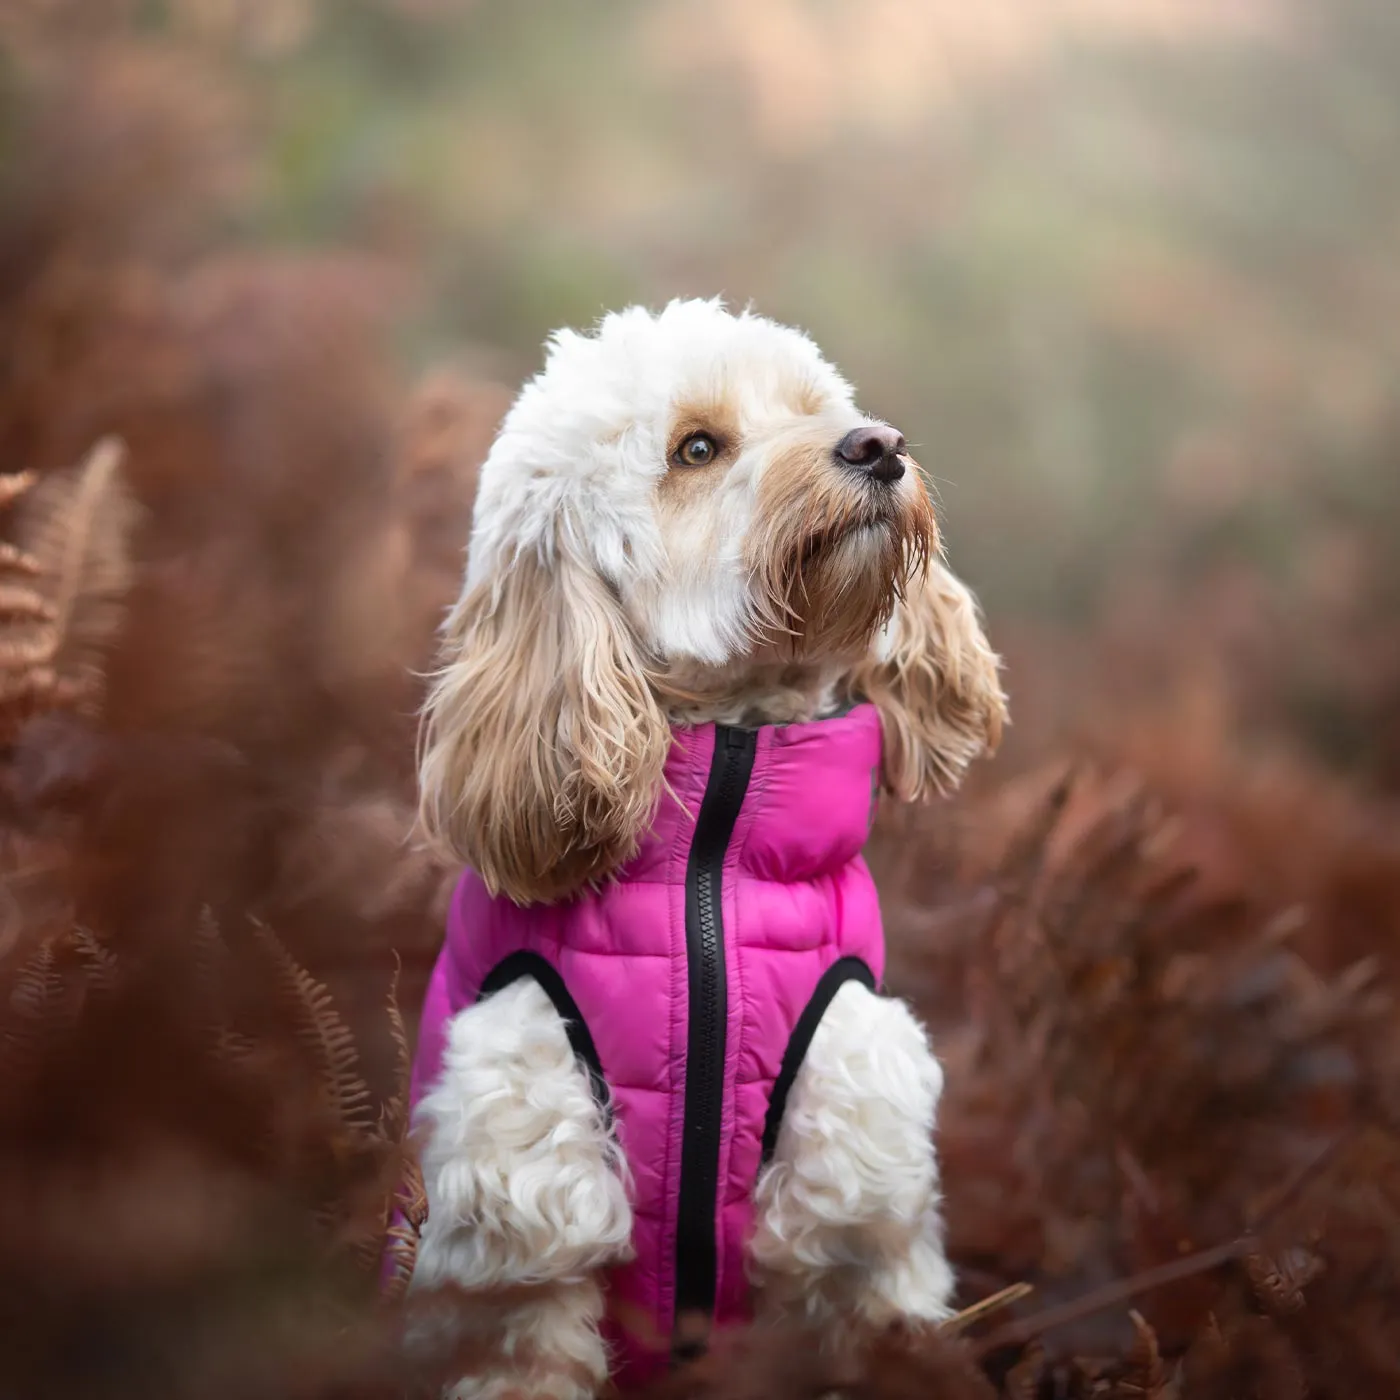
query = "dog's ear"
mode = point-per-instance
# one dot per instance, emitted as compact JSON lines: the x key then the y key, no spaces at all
{"x":542,"y":744}
{"x":935,"y":680}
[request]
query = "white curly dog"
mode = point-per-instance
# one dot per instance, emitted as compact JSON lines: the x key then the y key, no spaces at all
{"x":658,"y":1087}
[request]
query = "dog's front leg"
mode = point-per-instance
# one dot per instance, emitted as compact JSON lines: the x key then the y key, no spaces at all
{"x":526,"y":1202}
{"x":848,"y":1232}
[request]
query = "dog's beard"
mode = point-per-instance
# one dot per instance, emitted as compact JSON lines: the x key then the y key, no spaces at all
{"x":836,"y":566}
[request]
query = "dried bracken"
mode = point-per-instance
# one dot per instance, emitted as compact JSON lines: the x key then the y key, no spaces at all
{"x":242,"y":1153}
{"x":1162,"y":982}
{"x":72,"y":548}
{"x":1279,"y":1285}
{"x":12,"y":486}
{"x":1146,"y":1376}
{"x":1146,"y":1080}
{"x":325,"y":1037}
{"x":76,"y":529}
{"x":26,"y":624}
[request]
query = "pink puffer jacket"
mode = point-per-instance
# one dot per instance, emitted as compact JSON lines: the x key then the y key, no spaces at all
{"x":691,"y":987}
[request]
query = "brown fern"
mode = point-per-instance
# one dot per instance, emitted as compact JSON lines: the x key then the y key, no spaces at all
{"x":26,"y":687}
{"x":208,"y":960}
{"x":410,"y":1207}
{"x":99,"y":963}
{"x":234,"y":1049}
{"x":75,"y":529}
{"x":326,"y":1037}
{"x":24,"y":604}
{"x":1278,"y":1283}
{"x":208,"y":970}
{"x":63,"y":582}
{"x":13,"y":485}
{"x":393,"y":1112}
{"x":34,"y":1017}
{"x":16,"y":560}
{"x":1146,"y":1375}
{"x":407,"y":1209}
{"x":26,"y":624}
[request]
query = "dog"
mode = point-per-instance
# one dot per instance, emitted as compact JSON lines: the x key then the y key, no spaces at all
{"x":705,"y":621}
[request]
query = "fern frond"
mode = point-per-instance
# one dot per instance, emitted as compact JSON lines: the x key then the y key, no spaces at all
{"x":76,"y":527}
{"x":24,"y":604}
{"x":28,"y":653}
{"x":13,"y":485}
{"x":38,"y":983}
{"x":98,"y":961}
{"x":32,"y":1018}
{"x":17,"y":560}
{"x":24,"y":695}
{"x":393,"y":1112}
{"x":228,"y":1047}
{"x":208,"y":955}
{"x":1278,"y":1283}
{"x":234,"y":1049}
{"x":29,"y":685}
{"x":356,"y":1231}
{"x":1148,"y":1377}
{"x":411,"y":1208}
{"x":324,"y":1035}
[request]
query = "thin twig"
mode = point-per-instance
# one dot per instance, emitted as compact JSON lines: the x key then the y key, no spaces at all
{"x":994,"y":1302}
{"x":1120,"y":1291}
{"x":1285,"y":1195}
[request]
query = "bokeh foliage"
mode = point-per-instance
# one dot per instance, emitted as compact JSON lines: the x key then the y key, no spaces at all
{"x":1123,"y":270}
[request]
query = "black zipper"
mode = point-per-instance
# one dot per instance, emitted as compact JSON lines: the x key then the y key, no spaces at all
{"x":696,"y":1262}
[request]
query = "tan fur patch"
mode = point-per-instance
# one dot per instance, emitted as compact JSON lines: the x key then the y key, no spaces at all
{"x":683,"y":485}
{"x":542,"y":742}
{"x":714,"y":415}
{"x":833,"y":553}
{"x":939,"y":694}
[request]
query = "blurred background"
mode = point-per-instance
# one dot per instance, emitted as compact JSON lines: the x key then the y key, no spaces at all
{"x":1124,"y":273}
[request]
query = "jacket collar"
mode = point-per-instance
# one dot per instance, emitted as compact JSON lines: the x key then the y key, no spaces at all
{"x":807,"y":810}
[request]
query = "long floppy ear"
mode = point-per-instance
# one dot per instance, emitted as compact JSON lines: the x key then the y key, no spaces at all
{"x":935,"y":681}
{"x":542,"y":745}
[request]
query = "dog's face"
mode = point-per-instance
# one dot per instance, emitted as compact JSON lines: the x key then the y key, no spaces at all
{"x":714,"y":472}
{"x":678,"y":503}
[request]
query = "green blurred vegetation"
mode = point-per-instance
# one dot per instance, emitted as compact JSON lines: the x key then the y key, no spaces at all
{"x":1068,"y":281}
{"x":1124,"y":270}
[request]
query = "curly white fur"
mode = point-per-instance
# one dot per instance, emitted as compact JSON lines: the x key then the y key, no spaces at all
{"x":525,"y":1186}
{"x":848,"y":1222}
{"x":578,"y":459}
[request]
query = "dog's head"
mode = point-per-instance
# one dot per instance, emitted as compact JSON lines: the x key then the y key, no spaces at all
{"x":683,"y":508}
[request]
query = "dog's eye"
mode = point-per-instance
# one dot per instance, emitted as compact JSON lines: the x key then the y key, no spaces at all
{"x":697,"y":450}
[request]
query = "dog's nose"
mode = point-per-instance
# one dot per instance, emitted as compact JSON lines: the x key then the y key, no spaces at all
{"x":874,"y":449}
